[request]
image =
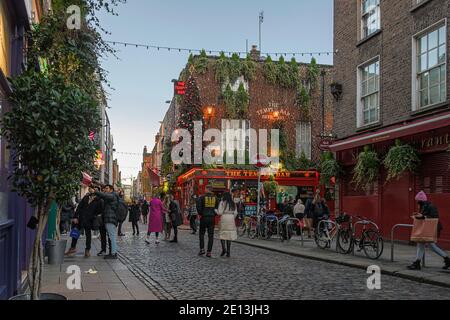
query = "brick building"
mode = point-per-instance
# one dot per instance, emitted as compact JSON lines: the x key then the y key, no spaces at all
{"x":392,"y":66}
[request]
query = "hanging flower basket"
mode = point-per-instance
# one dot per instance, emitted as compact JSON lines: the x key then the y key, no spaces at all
{"x":400,"y":159}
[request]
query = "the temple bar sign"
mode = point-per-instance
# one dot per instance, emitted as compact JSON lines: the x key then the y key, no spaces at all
{"x":274,"y":112}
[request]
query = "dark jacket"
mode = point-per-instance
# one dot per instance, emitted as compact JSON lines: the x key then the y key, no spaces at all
{"x":175,"y":214}
{"x":111,"y":203}
{"x":144,"y":208}
{"x":206,"y":205}
{"x":87,"y":212}
{"x":309,"y":212}
{"x":67,"y":212}
{"x":135,"y":213}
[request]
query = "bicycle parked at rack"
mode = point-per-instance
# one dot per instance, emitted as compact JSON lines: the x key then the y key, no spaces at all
{"x":368,"y":239}
{"x":327,"y":231}
{"x":248,"y":226}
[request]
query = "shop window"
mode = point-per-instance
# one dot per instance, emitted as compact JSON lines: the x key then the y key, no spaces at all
{"x":433,"y":176}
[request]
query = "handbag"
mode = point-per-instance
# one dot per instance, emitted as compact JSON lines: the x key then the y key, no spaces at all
{"x":75,"y":234}
{"x":425,"y":231}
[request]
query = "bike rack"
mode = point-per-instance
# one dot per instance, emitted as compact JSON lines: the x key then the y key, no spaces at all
{"x":392,"y":240}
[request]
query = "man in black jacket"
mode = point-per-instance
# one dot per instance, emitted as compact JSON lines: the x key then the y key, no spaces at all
{"x":89,"y":208}
{"x":111,"y":203}
{"x":206,"y":208}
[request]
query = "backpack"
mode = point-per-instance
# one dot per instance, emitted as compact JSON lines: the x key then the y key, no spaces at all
{"x":122,"y":210}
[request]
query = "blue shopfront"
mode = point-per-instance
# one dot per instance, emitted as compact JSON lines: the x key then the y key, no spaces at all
{"x":15,"y":239}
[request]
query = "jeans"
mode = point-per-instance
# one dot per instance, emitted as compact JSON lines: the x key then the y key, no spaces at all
{"x":112,"y":232}
{"x":207,"y":224}
{"x":434,"y":247}
{"x":135,"y":227}
{"x":88,"y":232}
{"x":193,"y":223}
{"x":103,"y":236}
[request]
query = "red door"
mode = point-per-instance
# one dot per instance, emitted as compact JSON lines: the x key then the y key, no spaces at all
{"x":397,"y":206}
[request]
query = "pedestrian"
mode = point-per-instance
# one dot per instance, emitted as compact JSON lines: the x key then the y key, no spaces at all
{"x":88,"y":210}
{"x":144,"y":211}
{"x":428,"y":211}
{"x":299,"y":213}
{"x":67,"y":213}
{"x":135,"y":217}
{"x":175,"y":216}
{"x":156,"y":218}
{"x":206,"y":208}
{"x":320,"y":210}
{"x":192,"y":214}
{"x":120,"y":223}
{"x":227,"y":227}
{"x":111,"y":204}
{"x":167,"y":220}
{"x":309,"y":213}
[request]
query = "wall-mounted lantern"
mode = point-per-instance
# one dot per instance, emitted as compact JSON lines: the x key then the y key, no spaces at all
{"x":336,"y":90}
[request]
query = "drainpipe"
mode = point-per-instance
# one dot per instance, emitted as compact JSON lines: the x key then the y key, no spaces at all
{"x":323,"y":73}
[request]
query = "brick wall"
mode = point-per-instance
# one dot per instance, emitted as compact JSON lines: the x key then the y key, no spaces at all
{"x":262,"y":94}
{"x":394,"y":46}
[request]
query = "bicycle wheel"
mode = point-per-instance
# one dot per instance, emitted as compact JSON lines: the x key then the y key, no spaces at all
{"x":242,"y":230}
{"x":344,"y":241}
{"x":372,"y":244}
{"x":321,"y":238}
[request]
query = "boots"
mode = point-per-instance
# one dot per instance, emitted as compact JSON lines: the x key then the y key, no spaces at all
{"x":87,"y":253}
{"x":415,"y":265}
{"x":447,"y":263}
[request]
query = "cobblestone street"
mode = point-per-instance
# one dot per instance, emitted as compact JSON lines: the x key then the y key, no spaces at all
{"x":174,"y":271}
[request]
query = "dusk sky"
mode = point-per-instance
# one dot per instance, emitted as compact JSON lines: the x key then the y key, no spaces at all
{"x":142,"y":79}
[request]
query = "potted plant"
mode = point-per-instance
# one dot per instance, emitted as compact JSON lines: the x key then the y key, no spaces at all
{"x":329,"y":168}
{"x":367,"y":168}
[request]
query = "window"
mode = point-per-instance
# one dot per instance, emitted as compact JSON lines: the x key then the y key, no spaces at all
{"x":431,"y":57}
{"x":303,"y":132}
{"x":370,"y":17}
{"x":369,"y":93}
{"x":235,"y":136}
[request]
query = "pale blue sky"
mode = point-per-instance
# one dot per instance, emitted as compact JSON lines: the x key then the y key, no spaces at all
{"x":142,"y":79}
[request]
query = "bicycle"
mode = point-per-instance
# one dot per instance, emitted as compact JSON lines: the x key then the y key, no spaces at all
{"x":247,"y":227}
{"x":288,"y":226}
{"x":370,"y":240}
{"x":327,"y":231}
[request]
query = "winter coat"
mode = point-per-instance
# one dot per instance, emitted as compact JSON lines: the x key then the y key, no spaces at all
{"x":299,"y":210}
{"x":207,"y":205}
{"x":175,"y":214}
{"x":155,"y":219}
{"x":111,"y":203}
{"x":309,"y":208}
{"x":227,"y":225}
{"x":134,"y":213}
{"x":67,"y":212}
{"x":144,"y":208}
{"x":88,"y":210}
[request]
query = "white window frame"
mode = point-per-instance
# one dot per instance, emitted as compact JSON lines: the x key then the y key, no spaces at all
{"x":363,"y":15}
{"x":300,"y":146}
{"x":359,"y":104}
{"x":415,"y":94}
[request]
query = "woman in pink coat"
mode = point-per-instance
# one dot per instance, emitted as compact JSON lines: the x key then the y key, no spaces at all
{"x":156,"y":218}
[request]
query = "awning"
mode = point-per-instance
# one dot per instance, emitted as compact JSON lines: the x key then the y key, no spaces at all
{"x":393,"y":132}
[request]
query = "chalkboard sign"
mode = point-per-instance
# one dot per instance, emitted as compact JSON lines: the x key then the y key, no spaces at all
{"x":250,"y":209}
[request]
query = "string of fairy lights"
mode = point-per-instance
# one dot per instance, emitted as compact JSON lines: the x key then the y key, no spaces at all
{"x":216,"y":52}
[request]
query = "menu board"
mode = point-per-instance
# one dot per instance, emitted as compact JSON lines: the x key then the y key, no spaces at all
{"x":250,"y":209}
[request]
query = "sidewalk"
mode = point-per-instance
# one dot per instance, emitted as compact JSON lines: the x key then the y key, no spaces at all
{"x":404,"y":255}
{"x":113,"y":280}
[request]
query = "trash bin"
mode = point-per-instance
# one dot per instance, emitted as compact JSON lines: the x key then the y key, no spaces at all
{"x":55,"y":250}
{"x":43,"y":296}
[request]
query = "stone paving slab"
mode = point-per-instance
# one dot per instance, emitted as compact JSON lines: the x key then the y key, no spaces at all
{"x":113,"y":281}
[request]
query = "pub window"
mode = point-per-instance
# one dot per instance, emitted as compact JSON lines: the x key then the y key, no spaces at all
{"x":304,"y":139}
{"x":370,"y":17}
{"x":431,"y":67}
{"x":368,"y":93}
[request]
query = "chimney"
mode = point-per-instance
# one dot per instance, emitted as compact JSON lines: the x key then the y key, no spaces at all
{"x":255,"y":53}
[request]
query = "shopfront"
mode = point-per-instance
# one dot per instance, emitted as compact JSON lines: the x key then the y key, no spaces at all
{"x":295,"y":184}
{"x":391,"y":203}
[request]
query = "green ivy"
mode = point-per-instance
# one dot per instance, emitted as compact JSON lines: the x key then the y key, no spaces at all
{"x":302,"y":99}
{"x":313,"y":72}
{"x":234,"y":71}
{"x":222,"y":68}
{"x":401,"y":158}
{"x":228,"y":98}
{"x":248,"y":68}
{"x":237,"y":103}
{"x":201,"y":63}
{"x":270,"y":71}
{"x":367,"y":168}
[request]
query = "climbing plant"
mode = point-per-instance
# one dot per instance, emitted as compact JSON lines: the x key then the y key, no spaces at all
{"x":367,"y":168}
{"x":248,"y":68}
{"x":270,"y":71}
{"x":302,"y":98}
{"x":201,"y":63}
{"x":401,"y":158}
{"x":222,"y":67}
{"x":236,"y":103}
{"x":329,"y":168}
{"x":313,"y":72}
